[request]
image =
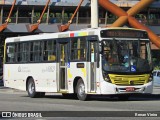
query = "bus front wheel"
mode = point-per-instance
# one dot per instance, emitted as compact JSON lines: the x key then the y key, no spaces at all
{"x":80,"y":90}
{"x":32,"y":91}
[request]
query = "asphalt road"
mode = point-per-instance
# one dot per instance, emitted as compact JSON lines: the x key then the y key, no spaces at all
{"x":14,"y":100}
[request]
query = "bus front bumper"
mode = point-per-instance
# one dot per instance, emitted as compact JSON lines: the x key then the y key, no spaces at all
{"x":108,"y":88}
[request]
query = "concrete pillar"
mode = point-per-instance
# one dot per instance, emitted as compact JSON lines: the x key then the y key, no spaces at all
{"x":1,"y":20}
{"x":47,"y":20}
{"x":32,"y":16}
{"x":106,"y":17}
{"x":77,"y":17}
{"x":62,"y":19}
{"x":17,"y":15}
{"x":94,"y":14}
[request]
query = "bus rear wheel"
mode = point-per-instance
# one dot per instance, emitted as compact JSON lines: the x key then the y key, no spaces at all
{"x":80,"y":90}
{"x":32,"y":91}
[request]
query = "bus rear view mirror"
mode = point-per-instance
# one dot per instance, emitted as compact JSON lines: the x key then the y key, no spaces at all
{"x":100,"y":48}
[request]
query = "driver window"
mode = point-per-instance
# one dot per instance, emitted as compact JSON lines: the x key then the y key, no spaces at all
{"x":109,"y":52}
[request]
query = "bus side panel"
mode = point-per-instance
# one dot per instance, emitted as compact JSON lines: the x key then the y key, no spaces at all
{"x":76,"y":69}
{"x":43,"y":74}
{"x":105,"y":87}
{"x":98,"y":73}
{"x":13,"y":77}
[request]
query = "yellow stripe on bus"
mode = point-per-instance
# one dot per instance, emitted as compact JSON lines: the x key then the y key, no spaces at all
{"x":84,"y":71}
{"x":70,"y":76}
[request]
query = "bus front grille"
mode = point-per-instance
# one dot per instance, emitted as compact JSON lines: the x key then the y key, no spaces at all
{"x":129,"y":79}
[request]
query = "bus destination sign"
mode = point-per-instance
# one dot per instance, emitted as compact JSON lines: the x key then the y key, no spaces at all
{"x":120,"y":33}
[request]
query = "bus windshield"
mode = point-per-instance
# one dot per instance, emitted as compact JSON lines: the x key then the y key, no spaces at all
{"x":126,"y":56}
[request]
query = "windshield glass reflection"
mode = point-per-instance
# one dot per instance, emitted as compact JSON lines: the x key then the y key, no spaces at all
{"x":126,"y":56}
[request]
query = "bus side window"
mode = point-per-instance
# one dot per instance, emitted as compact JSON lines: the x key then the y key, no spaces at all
{"x":36,"y":48}
{"x":51,"y":57}
{"x":31,"y":51}
{"x":10,"y":53}
{"x":52,"y":50}
{"x":78,"y":48}
{"x":49,"y":50}
{"x":17,"y":52}
{"x":22,"y":53}
{"x":45,"y":53}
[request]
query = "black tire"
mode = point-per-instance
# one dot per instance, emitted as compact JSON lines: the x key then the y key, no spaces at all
{"x":32,"y":91}
{"x":123,"y":97}
{"x":80,"y":90}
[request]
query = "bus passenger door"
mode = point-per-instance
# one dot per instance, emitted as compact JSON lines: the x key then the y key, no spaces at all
{"x":92,"y":45}
{"x":63,"y":61}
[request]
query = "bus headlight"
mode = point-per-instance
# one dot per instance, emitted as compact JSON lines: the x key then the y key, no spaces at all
{"x":106,"y":77}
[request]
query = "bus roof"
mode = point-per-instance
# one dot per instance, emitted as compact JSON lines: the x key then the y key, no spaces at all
{"x":82,"y":32}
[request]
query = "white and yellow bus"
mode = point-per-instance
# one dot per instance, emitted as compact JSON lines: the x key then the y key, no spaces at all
{"x":102,"y":61}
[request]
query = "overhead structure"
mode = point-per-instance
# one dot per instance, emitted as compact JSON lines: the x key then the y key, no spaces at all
{"x":4,"y":25}
{"x":128,"y":16}
{"x":94,"y":14}
{"x":65,"y":27}
{"x":34,"y":27}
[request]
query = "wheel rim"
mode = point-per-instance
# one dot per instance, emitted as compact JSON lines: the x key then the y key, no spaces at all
{"x":31,"y":88}
{"x":81,"y":90}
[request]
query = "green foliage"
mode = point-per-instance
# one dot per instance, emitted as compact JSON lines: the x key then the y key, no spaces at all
{"x":156,"y":63}
{"x":157,"y":68}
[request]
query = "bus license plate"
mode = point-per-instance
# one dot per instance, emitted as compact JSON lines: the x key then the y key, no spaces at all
{"x":130,"y":89}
